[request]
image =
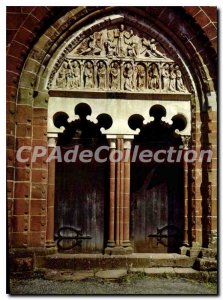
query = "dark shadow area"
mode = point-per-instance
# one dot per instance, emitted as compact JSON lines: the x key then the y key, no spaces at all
{"x":81,"y":212}
{"x":157,"y":189}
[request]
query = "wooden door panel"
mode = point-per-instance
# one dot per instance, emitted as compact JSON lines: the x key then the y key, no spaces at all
{"x":80,"y":203}
{"x":151,"y":211}
{"x":157,"y":209}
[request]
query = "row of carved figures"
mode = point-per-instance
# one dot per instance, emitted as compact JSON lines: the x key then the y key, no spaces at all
{"x":116,"y":76}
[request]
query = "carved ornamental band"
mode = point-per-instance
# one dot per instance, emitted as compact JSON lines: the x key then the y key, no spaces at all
{"x":119,"y":60}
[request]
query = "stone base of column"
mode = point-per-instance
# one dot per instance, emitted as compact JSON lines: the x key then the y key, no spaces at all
{"x":184,"y":250}
{"x":126,"y":243}
{"x":192,"y":251}
{"x":110,"y":244}
{"x":50,"y":244}
{"x":118,"y":250}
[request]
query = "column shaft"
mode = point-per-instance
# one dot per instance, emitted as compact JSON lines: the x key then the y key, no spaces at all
{"x":50,"y":201}
{"x":111,"y":236}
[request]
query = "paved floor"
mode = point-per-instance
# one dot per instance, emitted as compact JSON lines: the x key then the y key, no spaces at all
{"x":125,"y":286}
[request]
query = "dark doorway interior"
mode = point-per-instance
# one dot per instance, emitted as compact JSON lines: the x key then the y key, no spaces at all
{"x":157,"y":197}
{"x":81,"y":190}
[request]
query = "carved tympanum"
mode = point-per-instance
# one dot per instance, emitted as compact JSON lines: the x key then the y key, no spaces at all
{"x":121,"y":60}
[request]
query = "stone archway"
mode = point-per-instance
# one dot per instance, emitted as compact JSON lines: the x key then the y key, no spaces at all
{"x":33,"y":99}
{"x":120,"y":71}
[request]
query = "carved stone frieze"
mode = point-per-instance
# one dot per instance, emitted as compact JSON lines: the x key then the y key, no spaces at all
{"x":117,"y":59}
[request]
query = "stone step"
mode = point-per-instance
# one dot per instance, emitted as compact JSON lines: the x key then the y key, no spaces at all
{"x":116,"y":274}
{"x":103,"y":262}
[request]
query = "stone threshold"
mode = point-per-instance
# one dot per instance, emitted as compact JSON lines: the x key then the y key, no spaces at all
{"x":104,"y":261}
{"x":118,"y":274}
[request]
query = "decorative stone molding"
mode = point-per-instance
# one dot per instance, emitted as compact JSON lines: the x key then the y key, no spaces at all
{"x":119,"y":110}
{"x":186,"y":141}
{"x":116,"y":59}
{"x":52,"y":140}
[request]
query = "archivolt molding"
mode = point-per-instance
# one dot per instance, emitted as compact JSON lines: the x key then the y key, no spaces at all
{"x":46,"y":51}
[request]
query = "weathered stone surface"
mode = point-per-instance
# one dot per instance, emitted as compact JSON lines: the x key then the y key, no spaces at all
{"x":111,"y":274}
{"x":21,"y":264}
{"x":143,"y":260}
{"x":69,"y":275}
{"x":206,"y":264}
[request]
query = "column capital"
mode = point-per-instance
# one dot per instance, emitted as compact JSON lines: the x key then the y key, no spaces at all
{"x":52,"y":139}
{"x":111,"y":140}
{"x":186,"y":141}
{"x":128,"y":141}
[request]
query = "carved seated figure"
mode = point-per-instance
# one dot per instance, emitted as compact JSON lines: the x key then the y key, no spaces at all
{"x":110,"y":44}
{"x":132,"y":44}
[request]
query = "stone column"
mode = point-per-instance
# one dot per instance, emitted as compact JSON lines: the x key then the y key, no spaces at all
{"x":111,"y":233}
{"x":52,"y":140}
{"x":185,"y":140}
{"x":126,"y":202}
{"x":119,"y":202}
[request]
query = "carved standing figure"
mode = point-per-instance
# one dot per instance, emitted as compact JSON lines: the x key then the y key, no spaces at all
{"x":61,"y":81}
{"x":88,"y":75}
{"x":110,"y":44}
{"x":165,"y":77}
{"x":121,"y":42}
{"x":141,"y":77}
{"x":153,"y":77}
{"x":128,"y":74}
{"x":101,"y":75}
{"x":76,"y":74}
{"x":179,"y":81}
{"x":114,"y":76}
{"x":172,"y":79}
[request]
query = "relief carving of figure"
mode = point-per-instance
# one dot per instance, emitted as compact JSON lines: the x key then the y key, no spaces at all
{"x":114,"y":76}
{"x":101,"y":75}
{"x":128,"y":75}
{"x":132,"y":44}
{"x":69,"y":75}
{"x":172,"y":79}
{"x":121,"y":42}
{"x":165,"y":77}
{"x":141,"y":77}
{"x":110,"y":44}
{"x":151,"y":49}
{"x":153,"y":81}
{"x":76,"y":75}
{"x":92,"y":45}
{"x":88,"y":75}
{"x":179,"y":81}
{"x":61,"y":81}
